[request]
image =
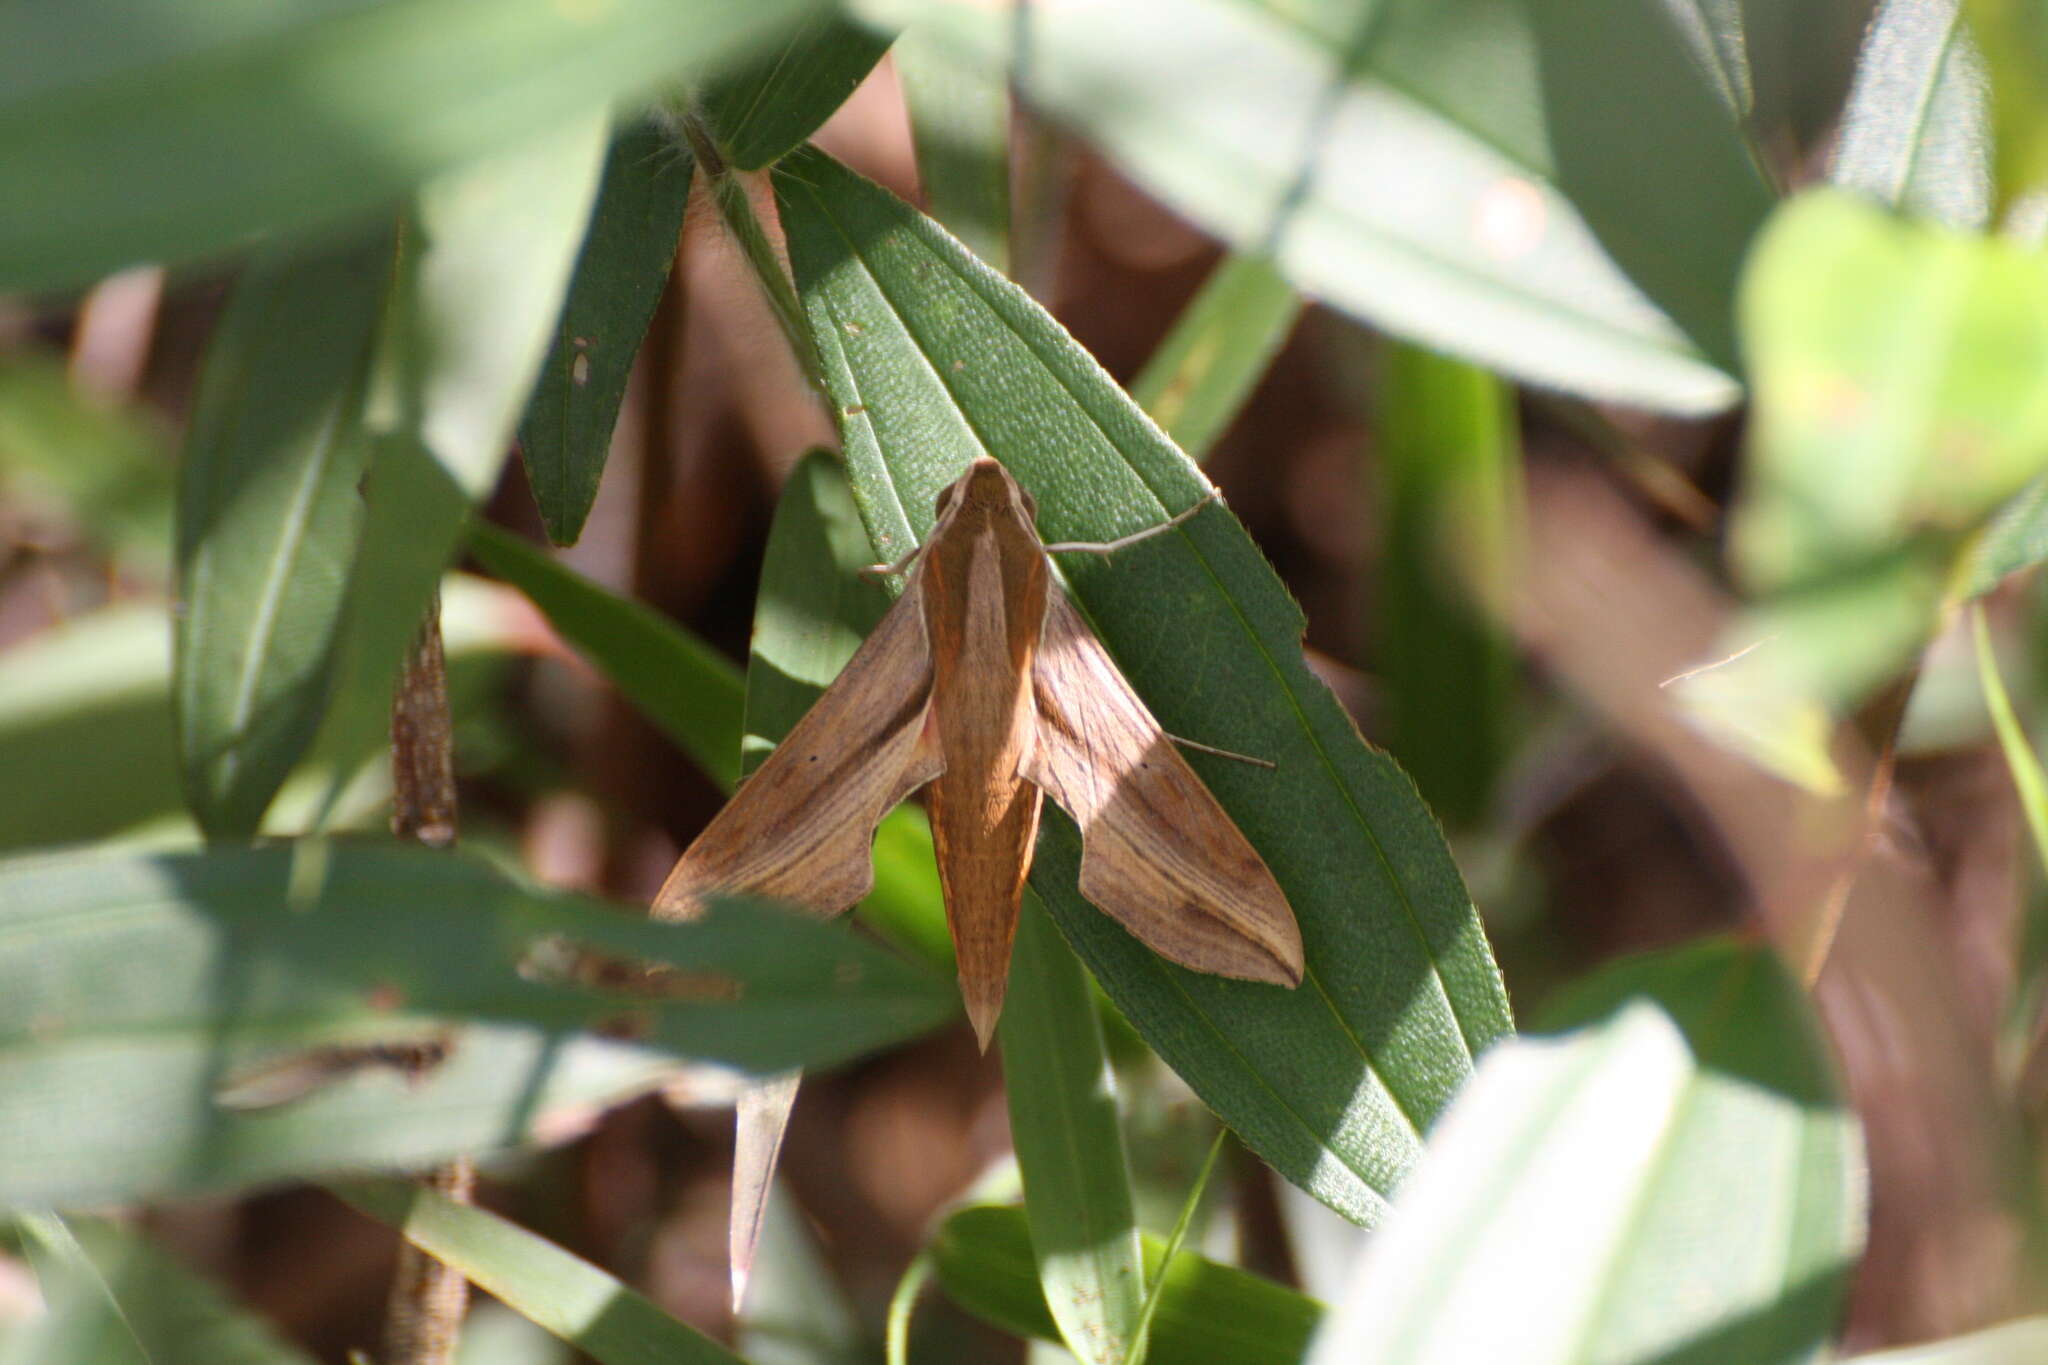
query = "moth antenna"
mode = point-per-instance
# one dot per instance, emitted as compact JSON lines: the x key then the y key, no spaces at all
{"x":1221,"y":753}
{"x":1108,"y":547}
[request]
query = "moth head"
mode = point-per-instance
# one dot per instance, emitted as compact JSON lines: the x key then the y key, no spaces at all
{"x":987,"y":485}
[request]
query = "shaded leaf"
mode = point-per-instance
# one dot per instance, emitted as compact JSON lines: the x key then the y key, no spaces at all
{"x":136,"y":990}
{"x":1070,"y":1152}
{"x":268,"y":515}
{"x":620,"y":272}
{"x":1650,"y":152}
{"x":764,"y":107}
{"x":1208,"y":1313}
{"x":564,"y":1293}
{"x":186,"y":127}
{"x":1916,"y":132}
{"x":1392,"y":160}
{"x":932,"y":359}
{"x":1220,"y":347}
{"x":1447,"y":465}
{"x":2015,"y":538}
{"x":1679,"y":1183}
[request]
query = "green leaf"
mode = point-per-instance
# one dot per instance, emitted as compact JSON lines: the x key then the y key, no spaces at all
{"x":1681,"y":1183}
{"x":932,"y":359}
{"x":1448,"y":469}
{"x":1915,"y":133}
{"x":2013,"y":36}
{"x":268,"y":516}
{"x":688,"y":689}
{"x":1220,"y":347}
{"x":114,"y":1296}
{"x":1651,"y":154}
{"x":762,"y":109}
{"x":960,"y":124}
{"x":485,"y":264}
{"x":2019,"y":1342}
{"x":564,"y":1293}
{"x":1901,"y":376}
{"x":619,"y":277}
{"x":1077,"y":1181}
{"x":1392,"y":160}
{"x":1209,"y":1314}
{"x":69,"y":457}
{"x":138,"y":991}
{"x":186,"y":126}
{"x":2028,"y":782}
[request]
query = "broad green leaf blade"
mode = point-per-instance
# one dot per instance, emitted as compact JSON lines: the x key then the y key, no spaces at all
{"x":960,"y":123}
{"x":1680,"y":1182}
{"x":135,"y":991}
{"x":69,"y":457}
{"x":624,"y":263}
{"x":2013,"y":37}
{"x":1651,"y":154}
{"x":1448,"y":469}
{"x":101,"y":1279}
{"x":1197,"y":381}
{"x":763,"y":108}
{"x":268,"y":516}
{"x":1063,"y":1123}
{"x":1916,"y":133}
{"x":1392,"y":160}
{"x":2019,"y":1342}
{"x":1209,"y":1314}
{"x":687,"y":688}
{"x":931,"y":360}
{"x":564,"y":1293}
{"x":188,"y":126}
{"x":485,"y":264}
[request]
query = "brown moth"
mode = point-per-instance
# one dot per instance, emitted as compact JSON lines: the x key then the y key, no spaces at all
{"x":984,"y":683}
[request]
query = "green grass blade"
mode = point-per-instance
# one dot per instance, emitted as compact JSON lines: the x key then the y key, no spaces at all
{"x":1197,"y":381}
{"x":137,"y":990}
{"x":932,"y":359}
{"x":268,"y":516}
{"x":763,"y":108}
{"x":1209,"y":1314}
{"x":688,"y":689}
{"x":1448,"y":469}
{"x":2027,"y":778}
{"x":626,"y":256}
{"x":564,"y":1293}
{"x":185,"y":127}
{"x":1070,"y":1152}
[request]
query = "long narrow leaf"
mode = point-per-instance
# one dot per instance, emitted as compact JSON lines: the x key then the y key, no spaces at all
{"x":141,"y":997}
{"x":184,"y":127}
{"x":932,"y":359}
{"x":267,"y":522}
{"x":1070,"y":1152}
{"x":1916,"y":133}
{"x":566,"y":1294}
{"x":620,"y":272}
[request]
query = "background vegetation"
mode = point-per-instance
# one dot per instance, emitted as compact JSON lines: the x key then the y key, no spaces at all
{"x":1637,"y":408}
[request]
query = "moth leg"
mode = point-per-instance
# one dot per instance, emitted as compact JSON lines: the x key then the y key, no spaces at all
{"x":887,"y":570}
{"x":1109,"y":547}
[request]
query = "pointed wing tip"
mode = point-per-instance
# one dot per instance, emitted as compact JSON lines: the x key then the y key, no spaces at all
{"x":740,"y":1275}
{"x":984,"y":1007}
